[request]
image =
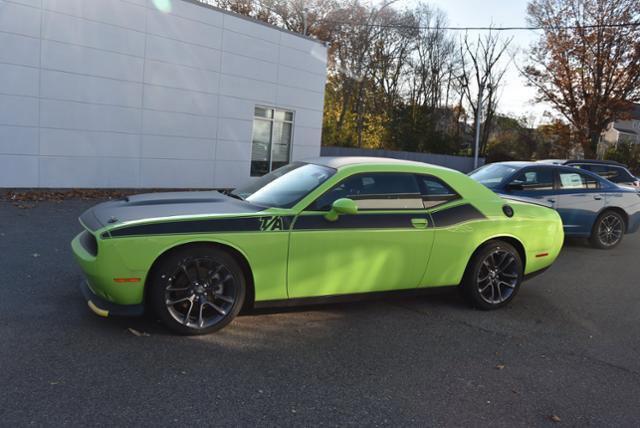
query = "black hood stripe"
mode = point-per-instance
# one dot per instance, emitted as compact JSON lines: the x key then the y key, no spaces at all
{"x":456,"y":215}
{"x":241,"y":224}
{"x":359,"y":221}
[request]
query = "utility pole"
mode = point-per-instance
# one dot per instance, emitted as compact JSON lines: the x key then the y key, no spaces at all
{"x":478,"y":117}
{"x":304,"y":21}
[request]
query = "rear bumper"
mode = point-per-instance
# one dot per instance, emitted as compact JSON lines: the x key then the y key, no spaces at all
{"x":104,"y":308}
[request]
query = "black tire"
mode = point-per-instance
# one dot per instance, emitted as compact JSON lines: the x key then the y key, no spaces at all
{"x":205,"y":286}
{"x":608,"y":230}
{"x":493,"y":276}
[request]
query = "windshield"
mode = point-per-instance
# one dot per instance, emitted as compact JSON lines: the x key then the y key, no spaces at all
{"x":285,"y":186}
{"x":492,"y":175}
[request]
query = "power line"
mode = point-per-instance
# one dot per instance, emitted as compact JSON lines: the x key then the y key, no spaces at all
{"x":419,"y":27}
{"x":457,"y":28}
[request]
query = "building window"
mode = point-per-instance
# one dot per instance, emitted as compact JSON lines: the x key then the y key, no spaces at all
{"x":271,"y":141}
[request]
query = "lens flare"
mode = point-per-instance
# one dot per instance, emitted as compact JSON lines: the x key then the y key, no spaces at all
{"x":163,"y":5}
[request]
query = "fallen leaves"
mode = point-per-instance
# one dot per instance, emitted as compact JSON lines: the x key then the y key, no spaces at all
{"x":500,"y":366}
{"x":554,"y":418}
{"x":138,"y":333}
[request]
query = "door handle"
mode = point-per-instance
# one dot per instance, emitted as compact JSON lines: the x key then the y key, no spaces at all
{"x":597,"y":197}
{"x":419,"y":223}
{"x":552,"y":200}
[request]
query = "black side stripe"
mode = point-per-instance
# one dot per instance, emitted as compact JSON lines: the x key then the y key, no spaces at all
{"x":242,"y":224}
{"x":359,"y":221}
{"x":455,"y":215}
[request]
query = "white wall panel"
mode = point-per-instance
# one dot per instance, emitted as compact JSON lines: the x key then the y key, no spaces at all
{"x":18,"y":140}
{"x":307,"y":136}
{"x":176,"y":173}
{"x":308,"y":118}
{"x":162,"y":147}
{"x":175,"y":52}
{"x":18,"y":80}
{"x":115,"y":12}
{"x":89,"y":61}
{"x":302,"y":98}
{"x":18,"y":171}
{"x":247,"y":88}
{"x":250,"y":46}
{"x":229,"y":174}
{"x":66,"y":142}
{"x":186,"y":10}
{"x":184,"y":30}
{"x":238,"y":65}
{"x":236,"y":108}
{"x":19,"y":50}
{"x":178,"y":124}
{"x":181,"y":77}
{"x":233,"y":150}
{"x":91,"y":117}
{"x":305,"y":152}
{"x":17,"y":110}
{"x":95,"y":172}
{"x":70,"y":7}
{"x":78,"y":31}
{"x":19,"y":19}
{"x":314,"y":60}
{"x":235,"y":130}
{"x":297,"y":78}
{"x":66,"y":86}
{"x":115,"y":93}
{"x":181,"y":101}
{"x":251,"y":28}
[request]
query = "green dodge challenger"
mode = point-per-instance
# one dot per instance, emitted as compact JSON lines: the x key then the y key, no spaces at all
{"x":327,"y":229}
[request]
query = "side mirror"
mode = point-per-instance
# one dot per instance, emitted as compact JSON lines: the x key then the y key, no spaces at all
{"x":515,"y":186}
{"x":341,"y":206}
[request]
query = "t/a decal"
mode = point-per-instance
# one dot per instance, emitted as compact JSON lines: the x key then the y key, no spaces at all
{"x":268,"y":224}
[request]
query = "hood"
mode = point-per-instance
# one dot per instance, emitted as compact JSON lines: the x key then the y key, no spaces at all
{"x":534,"y":201}
{"x":163,"y":205}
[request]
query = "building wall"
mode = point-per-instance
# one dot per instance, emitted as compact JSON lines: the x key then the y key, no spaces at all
{"x":115,"y":93}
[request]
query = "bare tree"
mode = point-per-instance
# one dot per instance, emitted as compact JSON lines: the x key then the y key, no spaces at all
{"x":587,"y":62}
{"x":484,"y":64}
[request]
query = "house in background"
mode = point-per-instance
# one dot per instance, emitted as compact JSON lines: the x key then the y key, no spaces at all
{"x":626,"y":130}
{"x":117,"y":93}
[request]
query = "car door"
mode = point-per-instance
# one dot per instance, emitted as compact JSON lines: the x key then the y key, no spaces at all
{"x":385,"y":246}
{"x":534,"y":182}
{"x":578,"y":201}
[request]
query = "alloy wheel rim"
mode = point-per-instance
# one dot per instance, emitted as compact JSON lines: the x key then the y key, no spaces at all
{"x":610,"y":230}
{"x":498,"y":277}
{"x":200,"y":292}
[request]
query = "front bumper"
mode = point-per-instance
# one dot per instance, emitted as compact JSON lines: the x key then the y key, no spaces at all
{"x":104,"y":308}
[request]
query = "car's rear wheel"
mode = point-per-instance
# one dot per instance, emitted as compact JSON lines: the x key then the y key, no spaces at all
{"x":197,"y":289}
{"x":493,"y":276}
{"x":608,"y":230}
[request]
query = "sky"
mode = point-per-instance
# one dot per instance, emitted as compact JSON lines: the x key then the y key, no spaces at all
{"x":516,"y":98}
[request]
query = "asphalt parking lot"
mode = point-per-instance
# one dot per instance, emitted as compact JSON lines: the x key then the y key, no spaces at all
{"x":565,"y":352}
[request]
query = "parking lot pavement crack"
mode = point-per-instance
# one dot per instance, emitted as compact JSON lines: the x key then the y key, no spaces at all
{"x":618,"y":367}
{"x":464,"y":323}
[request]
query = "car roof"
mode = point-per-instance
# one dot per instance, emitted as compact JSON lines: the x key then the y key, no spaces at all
{"x":338,"y":162}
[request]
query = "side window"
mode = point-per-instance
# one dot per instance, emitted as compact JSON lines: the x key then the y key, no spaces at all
{"x":374,"y":191}
{"x":435,"y":192}
{"x":575,"y":180}
{"x":538,"y":179}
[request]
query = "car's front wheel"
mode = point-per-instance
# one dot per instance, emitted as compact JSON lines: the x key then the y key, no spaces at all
{"x":197,"y":289}
{"x":607,"y":230}
{"x":493,"y":276}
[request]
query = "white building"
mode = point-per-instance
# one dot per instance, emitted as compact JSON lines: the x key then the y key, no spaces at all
{"x":117,"y":93}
